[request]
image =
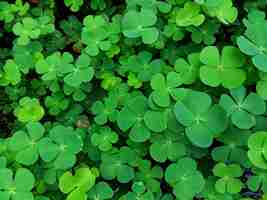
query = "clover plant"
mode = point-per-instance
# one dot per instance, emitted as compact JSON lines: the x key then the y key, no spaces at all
{"x":242,"y":109}
{"x":203,"y":121}
{"x":133,"y":100}
{"x":228,"y":182}
{"x":16,"y":185}
{"x":185,"y":179}
{"x":77,"y":185}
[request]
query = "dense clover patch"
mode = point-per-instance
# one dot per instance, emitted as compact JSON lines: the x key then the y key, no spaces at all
{"x":133,"y":100}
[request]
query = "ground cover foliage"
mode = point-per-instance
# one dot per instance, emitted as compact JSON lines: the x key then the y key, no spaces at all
{"x":133,"y":100}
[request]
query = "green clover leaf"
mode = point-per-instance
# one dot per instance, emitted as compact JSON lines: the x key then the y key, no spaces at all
{"x":103,"y":138}
{"x":117,"y":164}
{"x":72,"y":27}
{"x":149,"y":175}
{"x":243,"y":109}
{"x":188,"y":69}
{"x":27,"y":30}
{"x":56,"y":103}
{"x":258,"y":181}
{"x":46,"y":25}
{"x":252,"y":43}
{"x":229,"y":174}
{"x":7,"y":13}
{"x":156,"y":121}
{"x":76,"y":186}
{"x":224,"y":69}
{"x":145,"y":67}
{"x":139,"y":191}
{"x":98,"y":4}
{"x":132,"y":27}
{"x":209,"y":192}
{"x":204,"y":33}
{"x":101,"y":191}
{"x":16,"y":186}
{"x":222,"y":9}
{"x":133,"y":81}
{"x":163,"y":7}
{"x":164,"y":87}
{"x":11,"y":74}
{"x":189,"y":15}
{"x":105,"y":111}
{"x":261,"y":86}
{"x":132,"y":117}
{"x":95,"y":34}
{"x":26,"y":56}
{"x":54,"y":66}
{"x":26,"y":143}
{"x":233,"y":148}
{"x":202,"y":122}
{"x":166,"y":147}
{"x":29,"y":110}
{"x":257,"y":149}
{"x":61,"y":146}
{"x":80,"y":73}
{"x":173,"y":31}
{"x":185,"y":179}
{"x":74,"y":4}
{"x":3,"y":162}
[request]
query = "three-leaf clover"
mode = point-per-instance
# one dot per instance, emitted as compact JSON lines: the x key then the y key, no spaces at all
{"x":243,"y":109}
{"x":56,"y":103}
{"x":253,"y":42}
{"x":81,"y":72}
{"x":61,"y":146}
{"x":95,"y":34}
{"x":11,"y":74}
{"x":188,"y":69}
{"x":222,"y":9}
{"x":29,"y":110}
{"x":166,"y":146}
{"x":189,"y":15}
{"x":133,"y":27}
{"x":28,"y":29}
{"x":26,"y":143}
{"x":105,"y":111}
{"x":117,"y":164}
{"x":26,"y":56}
{"x":145,"y":67}
{"x":234,"y":147}
{"x":204,"y":33}
{"x":101,"y":191}
{"x":185,"y":179}
{"x":225,"y":69}
{"x":149,"y":175}
{"x":16,"y":186}
{"x":132,"y":117}
{"x":164,"y":87}
{"x":103,"y":138}
{"x":257,"y":152}
{"x":52,"y":66}
{"x":202,"y":122}
{"x":77,"y":185}
{"x":229,"y":174}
